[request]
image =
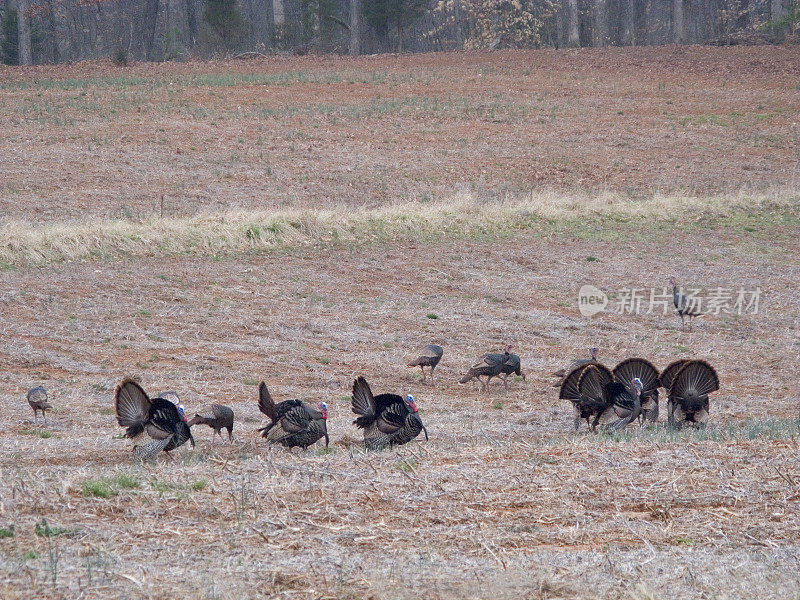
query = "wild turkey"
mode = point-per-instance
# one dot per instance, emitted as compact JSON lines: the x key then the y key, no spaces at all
{"x":511,"y":366}
{"x":149,"y":450}
{"x":618,"y":404}
{"x":37,"y":398}
{"x":292,"y":422}
{"x":668,"y":374}
{"x":585,"y":407}
{"x":686,"y":307}
{"x":159,"y":418}
{"x":647,"y":374}
{"x":578,"y":362}
{"x":489,"y":365}
{"x":216,"y":416}
{"x":688,"y":394}
{"x":429,"y":356}
{"x":172,"y":396}
{"x":387,"y":419}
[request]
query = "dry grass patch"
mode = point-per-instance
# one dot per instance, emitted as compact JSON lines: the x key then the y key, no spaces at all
{"x":460,"y":217}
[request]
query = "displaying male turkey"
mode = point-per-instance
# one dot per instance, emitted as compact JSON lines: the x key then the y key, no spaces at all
{"x":578,"y":362}
{"x":688,"y":394}
{"x":585,"y":407}
{"x":489,"y":365}
{"x":644,"y":371}
{"x":387,"y":419}
{"x":429,"y":356}
{"x":216,"y":416}
{"x":668,"y":374}
{"x":158,"y":418}
{"x":686,"y":307}
{"x":617,"y":404}
{"x":292,"y":422}
{"x":37,"y":398}
{"x":511,"y":366}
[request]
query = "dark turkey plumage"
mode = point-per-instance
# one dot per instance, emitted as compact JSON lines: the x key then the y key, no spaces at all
{"x":292,"y":423}
{"x":387,"y":419}
{"x":38,"y":401}
{"x":688,"y":395}
{"x":686,"y":306}
{"x":489,"y":365}
{"x":618,"y":404}
{"x":216,"y":416}
{"x":429,"y":356}
{"x":585,"y":407}
{"x":647,"y":374}
{"x":511,"y":366}
{"x":578,"y":362}
{"x":149,"y":450}
{"x":158,"y":418}
{"x":668,"y":374}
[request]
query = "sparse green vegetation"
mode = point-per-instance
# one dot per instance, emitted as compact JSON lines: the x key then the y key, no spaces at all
{"x":44,"y":529}
{"x":7,"y":532}
{"x":42,"y":433}
{"x":409,"y":465}
{"x":106,"y":487}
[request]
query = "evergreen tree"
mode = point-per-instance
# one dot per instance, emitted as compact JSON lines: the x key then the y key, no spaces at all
{"x":9,"y":38}
{"x":225,"y":19}
{"x":384,"y":14}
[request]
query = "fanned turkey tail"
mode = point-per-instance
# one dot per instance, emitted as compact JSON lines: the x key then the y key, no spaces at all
{"x":688,"y":396}
{"x":363,"y":403}
{"x":644,"y":371}
{"x":132,"y":406}
{"x":668,"y":374}
{"x":265,"y":402}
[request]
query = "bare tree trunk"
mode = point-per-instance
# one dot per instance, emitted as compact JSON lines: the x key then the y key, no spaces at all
{"x":573,"y":38}
{"x":399,"y":37}
{"x":99,"y":40}
{"x":750,"y":17}
{"x":600,"y":29}
{"x":52,"y":33}
{"x":151,"y":20}
{"x":278,"y":14}
{"x":677,"y":21}
{"x":191,"y":21}
{"x":457,"y":19}
{"x":355,"y":27}
{"x":629,"y":23}
{"x":777,"y":10}
{"x":24,"y":33}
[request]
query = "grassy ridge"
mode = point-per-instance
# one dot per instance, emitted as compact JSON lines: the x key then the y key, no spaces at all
{"x":462,"y":217}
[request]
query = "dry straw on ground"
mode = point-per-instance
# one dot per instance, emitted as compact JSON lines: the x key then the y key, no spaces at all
{"x":459,"y":217}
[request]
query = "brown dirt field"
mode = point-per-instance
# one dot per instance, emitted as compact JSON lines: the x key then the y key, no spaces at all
{"x":504,"y":500}
{"x":94,"y":139}
{"x":501,"y":500}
